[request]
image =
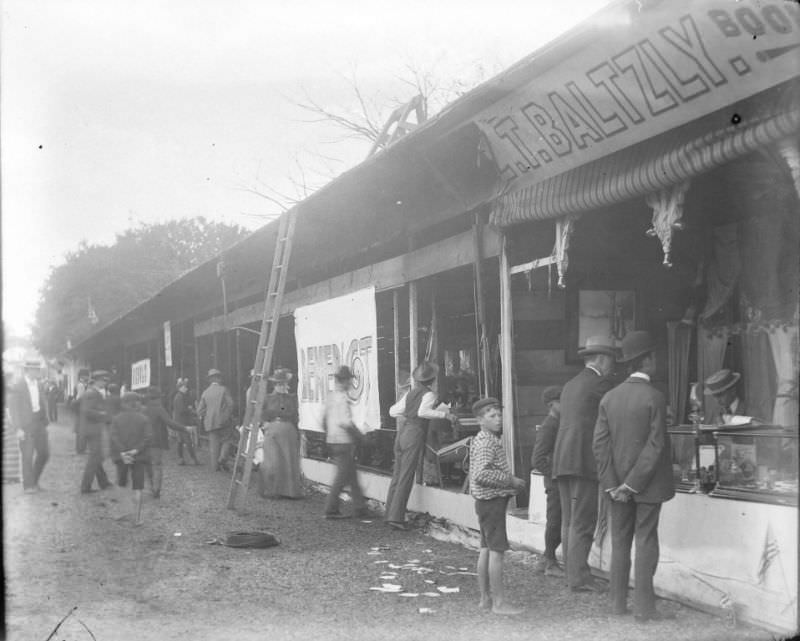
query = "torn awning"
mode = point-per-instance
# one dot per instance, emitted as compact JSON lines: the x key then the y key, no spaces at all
{"x":644,"y":168}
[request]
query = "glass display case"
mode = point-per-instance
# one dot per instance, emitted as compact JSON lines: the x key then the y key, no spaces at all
{"x":684,"y":458}
{"x":757,"y":464}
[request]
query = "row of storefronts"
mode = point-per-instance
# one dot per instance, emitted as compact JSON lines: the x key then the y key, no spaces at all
{"x":640,"y":172}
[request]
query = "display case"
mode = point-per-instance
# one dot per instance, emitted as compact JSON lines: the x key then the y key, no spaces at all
{"x":757,"y":464}
{"x":683,"y":440}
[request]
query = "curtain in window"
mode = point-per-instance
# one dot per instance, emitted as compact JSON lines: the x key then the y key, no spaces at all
{"x":679,"y":338}
{"x":784,"y":344}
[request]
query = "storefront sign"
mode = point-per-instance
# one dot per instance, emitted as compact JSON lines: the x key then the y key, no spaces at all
{"x":140,"y":374}
{"x":167,"y":345}
{"x":335,"y":332}
{"x":645,"y":69}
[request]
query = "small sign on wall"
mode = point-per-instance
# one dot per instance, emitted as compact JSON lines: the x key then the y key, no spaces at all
{"x":140,"y":374}
{"x":167,"y":344}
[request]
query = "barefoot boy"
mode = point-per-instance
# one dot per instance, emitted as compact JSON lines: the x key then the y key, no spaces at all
{"x":131,"y":435}
{"x":491,"y":484}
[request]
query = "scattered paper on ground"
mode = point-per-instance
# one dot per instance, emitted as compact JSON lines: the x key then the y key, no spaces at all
{"x":411,"y":594}
{"x":445,"y":590}
{"x":426,"y":611}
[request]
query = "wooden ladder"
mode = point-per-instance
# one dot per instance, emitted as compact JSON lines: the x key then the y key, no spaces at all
{"x":263,"y":362}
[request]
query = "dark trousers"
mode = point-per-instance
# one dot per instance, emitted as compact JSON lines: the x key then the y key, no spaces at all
{"x":578,"y":520}
{"x":52,"y":410}
{"x":94,"y":464}
{"x":629,"y":520}
{"x":344,"y":455}
{"x":552,"y":530}
{"x":214,"y":445}
{"x":35,"y":452}
{"x":185,"y":439}
{"x":408,"y":449}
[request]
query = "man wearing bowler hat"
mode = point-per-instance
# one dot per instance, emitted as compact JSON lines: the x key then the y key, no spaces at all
{"x":722,"y":387}
{"x":574,"y":466}
{"x":634,"y":463}
{"x":215,"y":409}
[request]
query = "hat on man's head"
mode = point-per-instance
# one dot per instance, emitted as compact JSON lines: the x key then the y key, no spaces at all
{"x":213,"y":372}
{"x":552,"y":393}
{"x":100,"y":373}
{"x":426,"y":372}
{"x":598,"y":345}
{"x":281,"y":375}
{"x":719,"y":381}
{"x":636,"y":344}
{"x":481,"y":404}
{"x":343,"y":374}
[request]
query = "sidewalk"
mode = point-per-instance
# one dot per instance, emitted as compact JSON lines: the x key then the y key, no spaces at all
{"x":164,"y":581}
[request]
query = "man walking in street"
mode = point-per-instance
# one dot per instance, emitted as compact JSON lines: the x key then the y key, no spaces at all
{"x":215,"y":409}
{"x":633,"y":453}
{"x":94,"y":417}
{"x":342,"y":437}
{"x":574,"y":466}
{"x":26,"y":407}
{"x":542,"y":461}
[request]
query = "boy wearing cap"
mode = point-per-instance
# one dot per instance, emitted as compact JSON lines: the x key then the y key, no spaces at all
{"x":491,"y":484}
{"x":131,"y":436}
{"x":634,"y":464}
{"x":542,"y":460}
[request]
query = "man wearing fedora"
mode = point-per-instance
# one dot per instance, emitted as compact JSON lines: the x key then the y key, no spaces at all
{"x":94,"y":417}
{"x":416,"y":407}
{"x":634,"y":461}
{"x":574,"y":467}
{"x":721,"y":386}
{"x":215,"y":410}
{"x":26,"y":409}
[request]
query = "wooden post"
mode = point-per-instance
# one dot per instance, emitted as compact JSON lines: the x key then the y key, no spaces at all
{"x":396,"y":338}
{"x":195,"y":340}
{"x":413,"y":333}
{"x":507,"y":353}
{"x":480,"y":306}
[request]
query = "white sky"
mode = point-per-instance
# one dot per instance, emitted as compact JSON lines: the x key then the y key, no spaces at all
{"x":150,"y":110}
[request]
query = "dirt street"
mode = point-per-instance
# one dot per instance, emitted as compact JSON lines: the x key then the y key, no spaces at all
{"x":164,"y":581}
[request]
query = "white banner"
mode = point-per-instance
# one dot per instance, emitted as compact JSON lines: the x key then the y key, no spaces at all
{"x":335,"y":332}
{"x":167,"y":345}
{"x":646,"y":68}
{"x":140,"y":374}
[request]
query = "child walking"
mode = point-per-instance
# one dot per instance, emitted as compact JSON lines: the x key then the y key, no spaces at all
{"x":131,"y":434}
{"x":491,"y":484}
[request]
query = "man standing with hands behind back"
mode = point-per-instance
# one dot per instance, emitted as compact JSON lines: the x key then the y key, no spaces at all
{"x":574,"y":466}
{"x":634,"y":463}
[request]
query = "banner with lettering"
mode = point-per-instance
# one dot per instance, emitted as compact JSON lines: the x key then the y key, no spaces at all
{"x":638,"y":69}
{"x":335,"y":332}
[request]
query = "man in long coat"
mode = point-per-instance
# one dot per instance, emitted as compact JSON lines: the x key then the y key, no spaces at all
{"x":634,"y":463}
{"x":94,"y":419}
{"x":215,"y":410}
{"x":26,"y":408}
{"x":574,"y":466}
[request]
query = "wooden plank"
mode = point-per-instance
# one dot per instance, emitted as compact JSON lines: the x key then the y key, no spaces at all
{"x":396,"y":338}
{"x":447,"y":254}
{"x":507,"y":355}
{"x":413,"y":316}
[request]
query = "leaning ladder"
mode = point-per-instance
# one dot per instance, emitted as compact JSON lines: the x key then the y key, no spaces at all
{"x":248,"y":437}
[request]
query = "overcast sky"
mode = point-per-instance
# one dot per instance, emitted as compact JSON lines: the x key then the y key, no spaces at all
{"x":116,"y":112}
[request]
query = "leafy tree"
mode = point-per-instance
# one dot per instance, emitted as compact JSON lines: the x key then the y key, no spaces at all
{"x":98,"y":283}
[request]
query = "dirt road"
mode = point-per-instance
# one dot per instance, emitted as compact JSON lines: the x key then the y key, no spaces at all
{"x":164,"y":581}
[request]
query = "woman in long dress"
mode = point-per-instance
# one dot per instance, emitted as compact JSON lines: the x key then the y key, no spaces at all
{"x":280,"y":470}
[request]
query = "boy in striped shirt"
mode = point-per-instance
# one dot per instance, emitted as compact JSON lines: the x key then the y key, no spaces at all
{"x":491,"y":484}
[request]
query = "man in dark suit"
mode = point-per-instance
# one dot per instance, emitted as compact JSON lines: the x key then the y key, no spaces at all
{"x":632,"y":447}
{"x":94,"y":417}
{"x":574,"y":466}
{"x":26,"y":408}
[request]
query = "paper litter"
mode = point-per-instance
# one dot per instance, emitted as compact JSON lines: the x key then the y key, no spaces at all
{"x":445,"y":590}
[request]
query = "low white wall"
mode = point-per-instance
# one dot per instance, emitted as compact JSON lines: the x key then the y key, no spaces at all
{"x":711,"y":551}
{"x":455,"y":507}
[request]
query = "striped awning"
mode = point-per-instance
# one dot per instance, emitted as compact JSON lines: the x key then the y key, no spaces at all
{"x":647,"y":167}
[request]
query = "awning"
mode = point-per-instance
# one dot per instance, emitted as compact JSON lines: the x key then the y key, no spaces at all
{"x":648,"y":167}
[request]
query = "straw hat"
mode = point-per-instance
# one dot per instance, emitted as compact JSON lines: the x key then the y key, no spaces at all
{"x":214,"y":372}
{"x":281,"y":375}
{"x":720,"y":381}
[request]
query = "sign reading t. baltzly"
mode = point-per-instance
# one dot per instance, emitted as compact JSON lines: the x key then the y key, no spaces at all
{"x":643,"y":68}
{"x":140,"y":374}
{"x":336,"y":332}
